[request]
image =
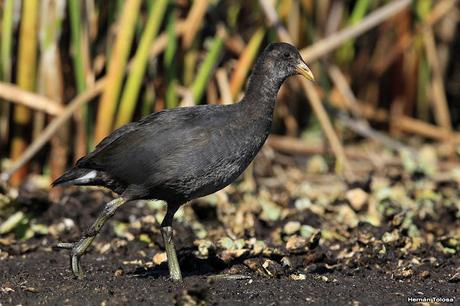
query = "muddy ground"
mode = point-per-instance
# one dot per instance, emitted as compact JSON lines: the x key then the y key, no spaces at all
{"x":43,"y":278}
{"x":285,"y":238}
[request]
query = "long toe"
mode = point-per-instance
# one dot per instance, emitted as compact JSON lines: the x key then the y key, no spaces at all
{"x":76,"y":266}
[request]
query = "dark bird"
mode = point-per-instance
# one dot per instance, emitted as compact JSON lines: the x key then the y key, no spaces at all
{"x":180,"y":154}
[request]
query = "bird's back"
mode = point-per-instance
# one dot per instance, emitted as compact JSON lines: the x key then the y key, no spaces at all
{"x":179,"y":154}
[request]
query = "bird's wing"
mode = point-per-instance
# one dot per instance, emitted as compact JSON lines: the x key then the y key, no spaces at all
{"x":84,"y":161}
{"x":156,"y":143}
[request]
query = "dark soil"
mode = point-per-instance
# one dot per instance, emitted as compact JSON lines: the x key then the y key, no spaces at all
{"x":43,"y":278}
{"x":413,"y":253}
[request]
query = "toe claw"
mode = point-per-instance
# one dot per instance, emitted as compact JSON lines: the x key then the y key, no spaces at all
{"x":75,"y":254}
{"x":65,"y":245}
{"x":76,"y":267}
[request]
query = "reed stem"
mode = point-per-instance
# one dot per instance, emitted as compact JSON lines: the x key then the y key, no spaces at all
{"x":27,"y":63}
{"x":133,"y":85}
{"x":118,"y":60}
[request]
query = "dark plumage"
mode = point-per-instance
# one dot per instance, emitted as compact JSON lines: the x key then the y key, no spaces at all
{"x":180,"y":154}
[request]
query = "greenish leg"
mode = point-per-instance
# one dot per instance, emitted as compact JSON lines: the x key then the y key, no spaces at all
{"x":167,"y":233}
{"x":78,"y":248}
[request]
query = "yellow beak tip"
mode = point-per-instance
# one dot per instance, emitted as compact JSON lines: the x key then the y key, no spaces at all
{"x":303,"y":70}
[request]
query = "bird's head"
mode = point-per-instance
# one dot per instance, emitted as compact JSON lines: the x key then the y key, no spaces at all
{"x":285,"y":60}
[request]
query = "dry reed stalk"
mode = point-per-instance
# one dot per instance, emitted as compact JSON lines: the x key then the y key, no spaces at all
{"x":335,"y":17}
{"x":419,"y":127}
{"x":27,"y":62}
{"x":51,"y":79}
{"x":235,"y":44}
{"x":407,"y":124}
{"x":273,"y":20}
{"x":321,"y":12}
{"x":139,"y":64}
{"x":29,"y":99}
{"x":211,"y":92}
{"x":119,"y":57}
{"x":162,"y":40}
{"x":360,"y":125}
{"x":294,"y":22}
{"x":82,"y":71}
{"x":440,"y":106}
{"x":342,"y":85}
{"x":245,"y":62}
{"x":294,"y":145}
{"x":333,"y":41}
{"x":336,"y":145}
{"x":224,"y":86}
{"x":440,"y":10}
{"x":436,"y":14}
{"x":6,"y":47}
{"x":53,"y":127}
{"x":194,"y":21}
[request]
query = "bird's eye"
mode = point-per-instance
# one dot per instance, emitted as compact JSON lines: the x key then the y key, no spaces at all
{"x":286,"y":55}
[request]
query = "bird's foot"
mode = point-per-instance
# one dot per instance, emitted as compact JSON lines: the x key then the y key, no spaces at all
{"x":173,"y":264}
{"x":77,"y":250}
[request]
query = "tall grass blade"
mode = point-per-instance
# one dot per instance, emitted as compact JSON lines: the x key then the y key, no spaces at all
{"x":194,"y":21}
{"x":51,"y":77}
{"x":118,"y":60}
{"x":79,"y":44}
{"x":170,"y":62}
{"x":6,"y":56}
{"x":27,"y":64}
{"x":133,"y":85}
{"x":245,"y":62}
{"x":346,"y":53}
{"x":206,"y":68}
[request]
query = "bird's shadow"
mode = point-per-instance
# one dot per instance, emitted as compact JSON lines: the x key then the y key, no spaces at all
{"x":190,"y":265}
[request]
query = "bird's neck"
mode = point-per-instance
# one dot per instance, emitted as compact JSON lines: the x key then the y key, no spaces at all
{"x":261,"y":92}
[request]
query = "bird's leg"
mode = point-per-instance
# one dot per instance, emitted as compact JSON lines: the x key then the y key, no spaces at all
{"x":167,"y":233}
{"x":78,"y":248}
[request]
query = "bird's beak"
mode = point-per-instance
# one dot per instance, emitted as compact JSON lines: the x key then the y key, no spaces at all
{"x":303,"y":69}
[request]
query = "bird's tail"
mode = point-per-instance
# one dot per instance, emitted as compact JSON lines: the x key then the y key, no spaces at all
{"x":76,"y":176}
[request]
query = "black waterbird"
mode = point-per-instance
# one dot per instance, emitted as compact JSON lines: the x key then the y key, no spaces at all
{"x":184,"y":153}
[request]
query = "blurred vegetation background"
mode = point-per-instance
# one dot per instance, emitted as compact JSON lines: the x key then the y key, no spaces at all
{"x":72,"y":71}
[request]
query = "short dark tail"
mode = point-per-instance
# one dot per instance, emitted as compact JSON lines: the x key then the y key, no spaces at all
{"x":72,"y":176}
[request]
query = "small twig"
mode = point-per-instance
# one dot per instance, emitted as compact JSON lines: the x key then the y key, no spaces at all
{"x":13,"y":93}
{"x":162,"y":40}
{"x":186,"y":95}
{"x":360,"y":125}
{"x":411,"y":125}
{"x":296,"y":146}
{"x":441,"y":110}
{"x":408,"y":124}
{"x":321,"y":114}
{"x":273,"y":20}
{"x":438,"y":12}
{"x":342,"y":85}
{"x":193,"y":21}
{"x":362,"y":128}
{"x":51,"y":129}
{"x":441,"y":9}
{"x":333,"y":41}
{"x":224,"y":86}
